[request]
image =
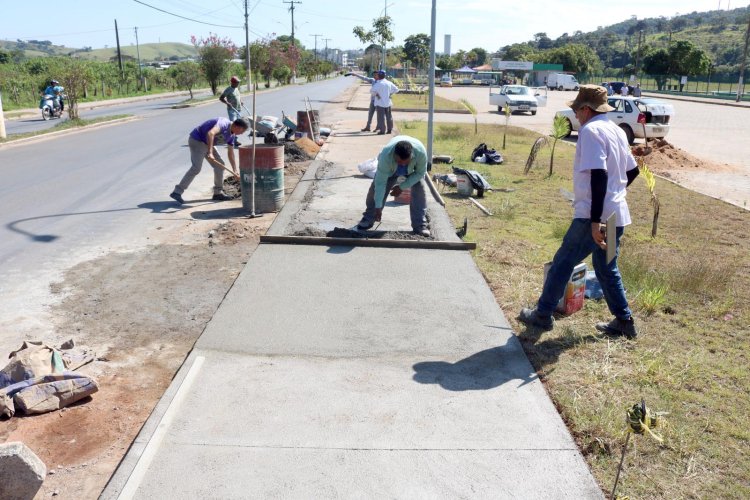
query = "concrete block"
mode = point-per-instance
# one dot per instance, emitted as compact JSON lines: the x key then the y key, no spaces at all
{"x":21,"y":472}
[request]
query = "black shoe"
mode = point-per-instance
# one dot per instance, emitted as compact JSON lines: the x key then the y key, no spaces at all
{"x":381,"y":133}
{"x":221,"y":197}
{"x":619,"y":328}
{"x":177,"y":197}
{"x":533,"y":318}
{"x":388,"y":132}
{"x":365,"y":225}
{"x":366,"y":129}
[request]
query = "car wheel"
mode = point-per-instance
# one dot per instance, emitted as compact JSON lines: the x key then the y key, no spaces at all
{"x":500,"y":109}
{"x":628,"y":133}
{"x":533,"y":113}
{"x":560,"y":87}
{"x":570,"y":127}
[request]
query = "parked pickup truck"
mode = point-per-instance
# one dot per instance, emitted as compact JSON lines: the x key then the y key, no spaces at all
{"x":520,"y":98}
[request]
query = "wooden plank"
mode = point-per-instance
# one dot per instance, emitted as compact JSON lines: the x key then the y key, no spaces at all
{"x":363,"y":242}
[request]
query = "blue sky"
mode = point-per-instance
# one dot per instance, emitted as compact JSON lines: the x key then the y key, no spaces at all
{"x":489,"y":24}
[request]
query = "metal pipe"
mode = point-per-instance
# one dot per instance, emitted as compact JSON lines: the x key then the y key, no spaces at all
{"x":431,"y":77}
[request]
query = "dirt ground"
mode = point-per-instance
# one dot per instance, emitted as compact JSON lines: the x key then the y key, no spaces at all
{"x":714,"y":179}
{"x":141,"y":312}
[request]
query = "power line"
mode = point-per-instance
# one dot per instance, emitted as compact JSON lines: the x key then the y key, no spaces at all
{"x":186,"y":18}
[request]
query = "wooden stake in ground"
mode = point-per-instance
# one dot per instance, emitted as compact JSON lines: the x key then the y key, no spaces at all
{"x":479,"y":206}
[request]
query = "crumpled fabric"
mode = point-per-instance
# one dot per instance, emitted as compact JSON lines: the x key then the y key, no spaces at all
{"x":37,"y":379}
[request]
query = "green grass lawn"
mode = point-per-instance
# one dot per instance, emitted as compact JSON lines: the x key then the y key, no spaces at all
{"x":417,"y":101}
{"x":690,"y":291}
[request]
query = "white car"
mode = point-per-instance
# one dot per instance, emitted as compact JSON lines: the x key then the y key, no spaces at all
{"x":638,"y":117}
{"x":520,"y":98}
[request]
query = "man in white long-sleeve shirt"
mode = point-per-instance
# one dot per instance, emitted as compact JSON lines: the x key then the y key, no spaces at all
{"x":382,"y":90}
{"x":371,"y":111}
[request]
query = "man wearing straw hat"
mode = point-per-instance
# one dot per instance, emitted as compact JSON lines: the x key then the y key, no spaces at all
{"x":602,"y":169}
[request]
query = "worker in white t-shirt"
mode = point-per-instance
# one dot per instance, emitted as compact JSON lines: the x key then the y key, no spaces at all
{"x":602,"y":169}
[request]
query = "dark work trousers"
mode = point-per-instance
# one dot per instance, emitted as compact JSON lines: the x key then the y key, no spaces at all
{"x":385,"y":120}
{"x":370,"y":113}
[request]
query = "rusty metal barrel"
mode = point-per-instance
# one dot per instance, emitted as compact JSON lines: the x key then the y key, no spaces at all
{"x":269,"y":176}
{"x":303,"y":124}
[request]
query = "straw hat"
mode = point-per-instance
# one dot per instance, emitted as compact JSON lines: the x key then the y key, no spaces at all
{"x":593,"y":96}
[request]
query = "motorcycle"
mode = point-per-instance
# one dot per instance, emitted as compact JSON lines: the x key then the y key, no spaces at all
{"x":50,"y":106}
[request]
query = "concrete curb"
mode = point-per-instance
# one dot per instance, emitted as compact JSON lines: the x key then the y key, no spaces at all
{"x":414,"y":110}
{"x":50,"y":135}
{"x":701,"y":100}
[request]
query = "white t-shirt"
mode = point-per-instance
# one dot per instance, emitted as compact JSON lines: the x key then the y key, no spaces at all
{"x":624,"y":90}
{"x":602,"y":145}
{"x":382,"y":91}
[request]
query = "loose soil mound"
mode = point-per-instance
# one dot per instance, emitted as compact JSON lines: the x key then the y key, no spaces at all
{"x":293,"y":153}
{"x":308,"y":146}
{"x":662,"y":157}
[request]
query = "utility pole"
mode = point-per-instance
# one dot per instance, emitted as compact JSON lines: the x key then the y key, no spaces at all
{"x":326,"y":40}
{"x":138,"y":53}
{"x":741,"y":85}
{"x":119,"y":53}
{"x":385,"y":14}
{"x":316,"y":47}
{"x":638,"y":55}
{"x":291,"y":9}
{"x":247,"y":49}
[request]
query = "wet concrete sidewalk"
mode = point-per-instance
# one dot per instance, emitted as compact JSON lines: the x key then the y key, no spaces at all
{"x":342,"y":371}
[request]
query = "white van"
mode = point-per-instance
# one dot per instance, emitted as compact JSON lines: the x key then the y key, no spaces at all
{"x":561,"y":81}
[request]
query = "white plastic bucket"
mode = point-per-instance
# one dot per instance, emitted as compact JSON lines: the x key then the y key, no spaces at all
{"x":463,"y":185}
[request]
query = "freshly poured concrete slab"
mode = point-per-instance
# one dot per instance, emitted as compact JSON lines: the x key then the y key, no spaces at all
{"x":316,"y":427}
{"x":241,"y":472}
{"x":343,"y":301}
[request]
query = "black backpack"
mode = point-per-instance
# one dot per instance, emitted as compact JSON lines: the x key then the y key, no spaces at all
{"x":478,"y":151}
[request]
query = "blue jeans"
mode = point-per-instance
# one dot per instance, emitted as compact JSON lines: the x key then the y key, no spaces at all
{"x":233,"y":114}
{"x":576,"y":246}
{"x":417,"y":206}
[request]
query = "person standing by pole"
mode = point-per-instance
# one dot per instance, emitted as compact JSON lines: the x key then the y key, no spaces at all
{"x":382,"y":91}
{"x":371,"y":110}
{"x":231,"y":97}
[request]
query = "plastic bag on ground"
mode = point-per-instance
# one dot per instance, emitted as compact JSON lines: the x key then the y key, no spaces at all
{"x":369,"y":167}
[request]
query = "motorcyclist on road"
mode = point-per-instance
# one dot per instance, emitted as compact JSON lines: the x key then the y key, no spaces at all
{"x":54,"y":89}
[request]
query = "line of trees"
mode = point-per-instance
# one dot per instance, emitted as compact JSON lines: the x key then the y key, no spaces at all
{"x":23,"y":79}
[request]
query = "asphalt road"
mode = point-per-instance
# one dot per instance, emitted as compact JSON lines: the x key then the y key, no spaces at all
{"x":69,"y":198}
{"x":709,"y":131}
{"x":96,"y":110}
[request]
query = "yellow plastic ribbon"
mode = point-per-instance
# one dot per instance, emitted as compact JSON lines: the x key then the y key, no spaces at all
{"x":641,"y":420}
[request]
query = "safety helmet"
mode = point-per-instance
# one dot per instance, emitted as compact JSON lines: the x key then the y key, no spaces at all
{"x":54,"y":82}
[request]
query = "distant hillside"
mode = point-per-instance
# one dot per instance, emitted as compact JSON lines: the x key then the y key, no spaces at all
{"x":149,"y":51}
{"x":719,"y":33}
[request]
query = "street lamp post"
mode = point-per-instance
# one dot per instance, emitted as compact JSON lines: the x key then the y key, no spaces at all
{"x":431,"y":78}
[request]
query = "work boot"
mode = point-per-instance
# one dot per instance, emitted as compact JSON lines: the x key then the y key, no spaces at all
{"x":619,"y":328}
{"x":532,"y":318}
{"x":177,"y":197}
{"x":221,"y":197}
{"x":422,"y":232}
{"x":364,"y":225}
{"x":366,"y":129}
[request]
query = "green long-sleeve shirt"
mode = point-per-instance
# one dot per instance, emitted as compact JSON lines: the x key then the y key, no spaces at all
{"x":387,"y":166}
